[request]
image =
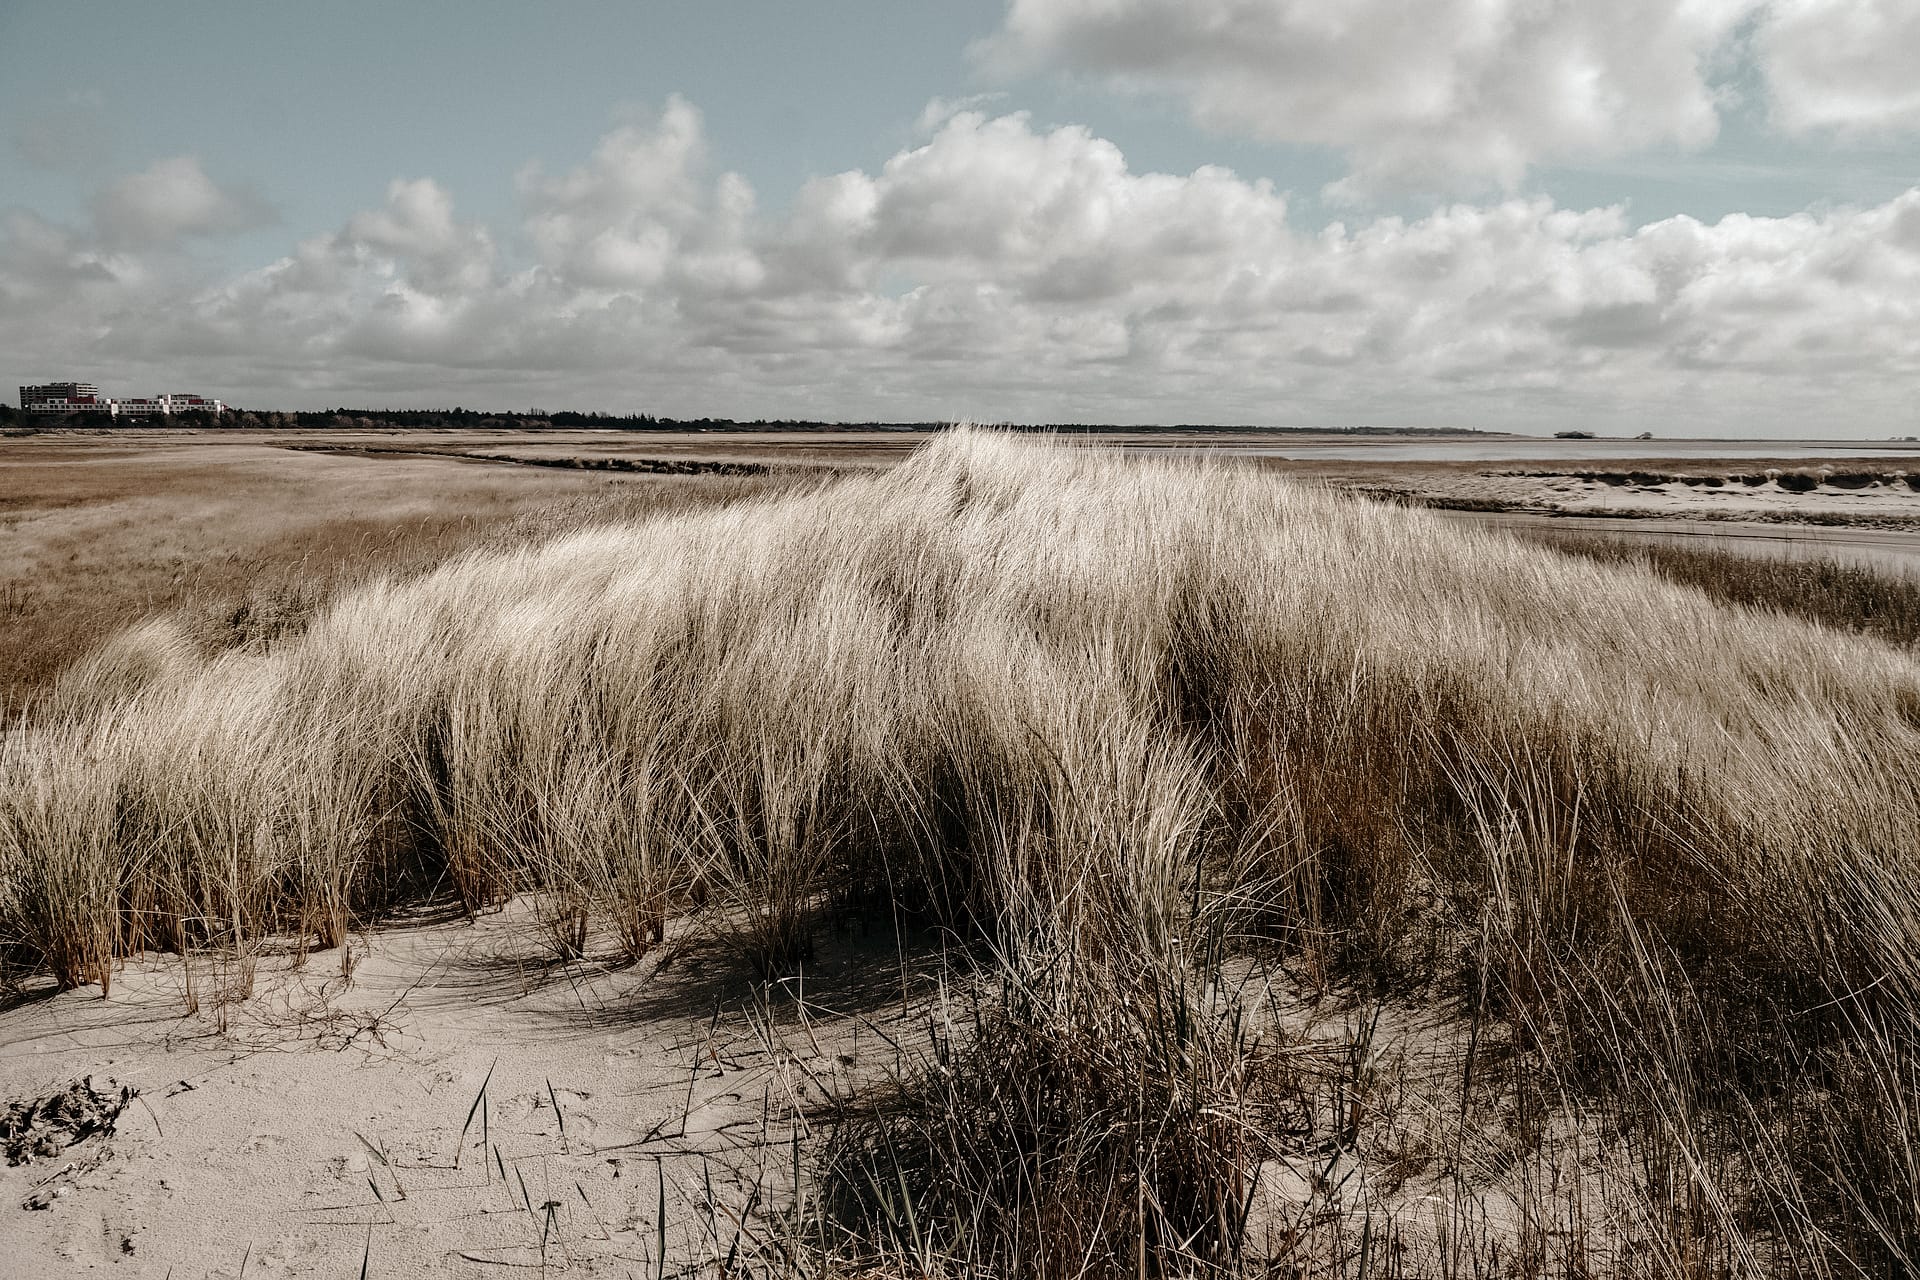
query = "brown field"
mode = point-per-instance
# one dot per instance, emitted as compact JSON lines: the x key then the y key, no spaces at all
{"x":97,"y":531}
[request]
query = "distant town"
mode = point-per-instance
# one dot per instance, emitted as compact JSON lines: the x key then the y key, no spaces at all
{"x":67,"y":399}
{"x":59,"y":405}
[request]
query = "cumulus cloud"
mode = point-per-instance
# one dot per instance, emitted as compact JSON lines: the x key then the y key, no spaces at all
{"x":405,"y":282}
{"x":1455,"y":95}
{"x":643,"y":210}
{"x":1435,"y":96}
{"x":172,"y":199}
{"x":417,"y":226}
{"x":1057,"y":213}
{"x":940,"y":110}
{"x":1000,"y":270}
{"x":1847,"y":65}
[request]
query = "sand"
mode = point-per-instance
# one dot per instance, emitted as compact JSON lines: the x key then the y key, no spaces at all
{"x":320,"y":1119}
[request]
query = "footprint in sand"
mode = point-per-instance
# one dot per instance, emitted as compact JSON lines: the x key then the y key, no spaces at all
{"x":266,"y":1141}
{"x":572,"y":1122}
{"x":286,"y":1256}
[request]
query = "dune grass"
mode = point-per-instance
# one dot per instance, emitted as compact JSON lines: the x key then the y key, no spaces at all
{"x":1157,"y":739}
{"x":1849,"y":597}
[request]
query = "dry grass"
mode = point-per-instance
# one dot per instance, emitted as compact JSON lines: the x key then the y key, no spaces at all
{"x":246,"y":539}
{"x":1834,"y":593}
{"x":1162,"y":742}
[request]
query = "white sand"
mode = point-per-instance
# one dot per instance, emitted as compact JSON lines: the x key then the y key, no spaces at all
{"x":255,"y":1129}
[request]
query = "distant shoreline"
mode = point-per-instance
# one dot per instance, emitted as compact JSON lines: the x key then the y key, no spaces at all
{"x":465,"y":420}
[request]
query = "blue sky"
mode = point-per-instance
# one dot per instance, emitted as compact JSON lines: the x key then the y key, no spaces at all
{"x":1695,"y":218}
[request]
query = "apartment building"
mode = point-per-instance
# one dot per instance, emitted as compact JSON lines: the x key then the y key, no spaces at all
{"x":85,"y":398}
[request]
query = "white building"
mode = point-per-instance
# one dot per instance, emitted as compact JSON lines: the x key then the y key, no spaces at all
{"x":85,"y":398}
{"x":65,"y":397}
{"x":182,"y":401}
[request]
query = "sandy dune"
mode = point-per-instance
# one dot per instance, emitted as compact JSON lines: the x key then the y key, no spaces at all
{"x":321,"y":1118}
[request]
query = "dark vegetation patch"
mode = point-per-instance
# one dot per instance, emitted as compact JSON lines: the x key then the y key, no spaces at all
{"x":1847,"y":597}
{"x":641,"y":466}
{"x":1793,"y":480}
{"x":42,"y":1128}
{"x":1057,"y":1140}
{"x":1736,"y":515}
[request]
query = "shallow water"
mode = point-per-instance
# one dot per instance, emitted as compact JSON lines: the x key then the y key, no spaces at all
{"x":1537,"y":449}
{"x":1889,"y":550}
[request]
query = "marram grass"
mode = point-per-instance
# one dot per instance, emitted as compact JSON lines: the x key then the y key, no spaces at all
{"x":1132,"y":727}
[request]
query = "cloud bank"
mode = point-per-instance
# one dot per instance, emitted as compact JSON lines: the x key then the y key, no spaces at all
{"x":1462,"y":95}
{"x":1428,"y":96}
{"x":998,"y":271}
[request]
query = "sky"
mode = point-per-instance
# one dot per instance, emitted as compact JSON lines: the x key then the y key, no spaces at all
{"x":1696,"y":217}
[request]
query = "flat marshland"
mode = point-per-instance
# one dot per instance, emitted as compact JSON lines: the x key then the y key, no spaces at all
{"x":1031,"y":860}
{"x":236,"y":535}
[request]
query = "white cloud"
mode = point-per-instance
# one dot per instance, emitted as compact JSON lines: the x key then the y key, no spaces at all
{"x":1848,"y":65}
{"x":417,"y":226}
{"x":940,"y":110}
{"x":1459,"y":95}
{"x":1003,"y":271}
{"x":1436,"y":96}
{"x":1056,"y":213}
{"x":173,"y":198}
{"x":643,"y":210}
{"x":406,"y":282}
